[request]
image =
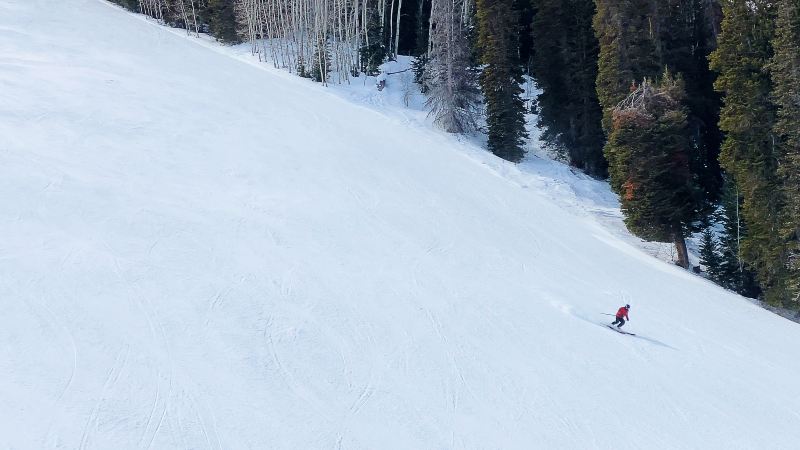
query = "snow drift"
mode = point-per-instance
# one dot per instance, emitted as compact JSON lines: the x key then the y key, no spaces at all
{"x":200,"y":253}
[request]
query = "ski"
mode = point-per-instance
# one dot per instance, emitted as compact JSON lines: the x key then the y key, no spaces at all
{"x":620,"y":331}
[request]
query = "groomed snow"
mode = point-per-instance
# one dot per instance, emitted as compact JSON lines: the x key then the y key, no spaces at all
{"x":200,"y":253}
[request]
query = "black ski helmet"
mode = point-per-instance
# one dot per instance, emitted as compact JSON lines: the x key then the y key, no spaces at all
{"x":627,"y":306}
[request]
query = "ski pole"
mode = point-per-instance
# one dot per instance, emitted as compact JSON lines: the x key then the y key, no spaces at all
{"x":607,"y":314}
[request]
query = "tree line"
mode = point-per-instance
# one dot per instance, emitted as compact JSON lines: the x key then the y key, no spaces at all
{"x":689,"y":107}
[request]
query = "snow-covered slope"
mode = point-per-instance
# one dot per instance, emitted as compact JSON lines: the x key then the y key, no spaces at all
{"x":200,"y":253}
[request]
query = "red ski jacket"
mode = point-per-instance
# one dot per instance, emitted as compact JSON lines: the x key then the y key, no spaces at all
{"x":623,"y":312}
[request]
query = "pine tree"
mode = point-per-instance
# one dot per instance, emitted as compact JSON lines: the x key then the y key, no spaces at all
{"x":635,"y":44}
{"x":734,"y":274}
{"x":709,"y":255}
{"x":421,"y":51}
{"x":564,"y":64}
{"x":453,"y":95}
{"x":501,"y":78}
{"x":785,"y":71}
{"x":373,"y":51}
{"x":628,"y":49}
{"x":131,"y":5}
{"x":750,"y":152}
{"x":302,"y":70}
{"x":221,"y":19}
{"x":641,"y":38}
{"x":419,"y":66}
{"x":686,"y":39}
{"x":321,"y":62}
{"x":648,"y":153}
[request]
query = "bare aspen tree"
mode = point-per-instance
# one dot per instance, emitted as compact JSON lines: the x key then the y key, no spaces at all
{"x":296,"y":32}
{"x":188,"y":15}
{"x":391,"y":28}
{"x":453,"y":96}
{"x":194,"y":19}
{"x":153,"y":8}
{"x":397,"y":28}
{"x":296,"y":35}
{"x":245,"y":17}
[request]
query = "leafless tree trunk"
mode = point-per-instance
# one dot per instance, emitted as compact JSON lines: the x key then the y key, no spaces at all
{"x":289,"y":31}
{"x":293,"y":29}
{"x":453,"y":96}
{"x":683,"y":254}
{"x":397,"y":28}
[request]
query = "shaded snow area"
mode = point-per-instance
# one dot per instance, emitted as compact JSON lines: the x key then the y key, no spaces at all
{"x":199,"y":252}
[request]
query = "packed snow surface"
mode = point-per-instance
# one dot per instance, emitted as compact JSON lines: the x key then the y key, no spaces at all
{"x":198,"y":252}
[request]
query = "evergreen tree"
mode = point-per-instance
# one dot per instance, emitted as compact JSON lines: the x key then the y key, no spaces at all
{"x":453,"y":95}
{"x":421,"y":51}
{"x":733,"y":273}
{"x":132,"y":5}
{"x":418,"y":66}
{"x":641,"y":38}
{"x":749,"y":152}
{"x":628,"y":50}
{"x":373,"y":51}
{"x":649,"y":153}
{"x":686,"y":39}
{"x":302,"y":69}
{"x":221,"y":19}
{"x":321,"y":62}
{"x":564,"y":64}
{"x":785,"y":71}
{"x":501,"y":78}
{"x":709,"y":255}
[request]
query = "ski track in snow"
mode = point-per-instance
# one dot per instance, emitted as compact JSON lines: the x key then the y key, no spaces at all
{"x":111,"y":379}
{"x":195,"y":263}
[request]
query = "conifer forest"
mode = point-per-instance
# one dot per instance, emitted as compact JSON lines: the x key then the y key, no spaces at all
{"x":690,"y":108}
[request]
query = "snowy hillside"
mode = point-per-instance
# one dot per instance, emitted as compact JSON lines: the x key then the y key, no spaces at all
{"x":187,"y":264}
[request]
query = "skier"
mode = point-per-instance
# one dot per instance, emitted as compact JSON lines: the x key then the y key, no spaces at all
{"x":622,"y":316}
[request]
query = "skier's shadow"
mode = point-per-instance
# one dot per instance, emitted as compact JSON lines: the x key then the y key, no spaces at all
{"x":655,"y":341}
{"x":634,"y":336}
